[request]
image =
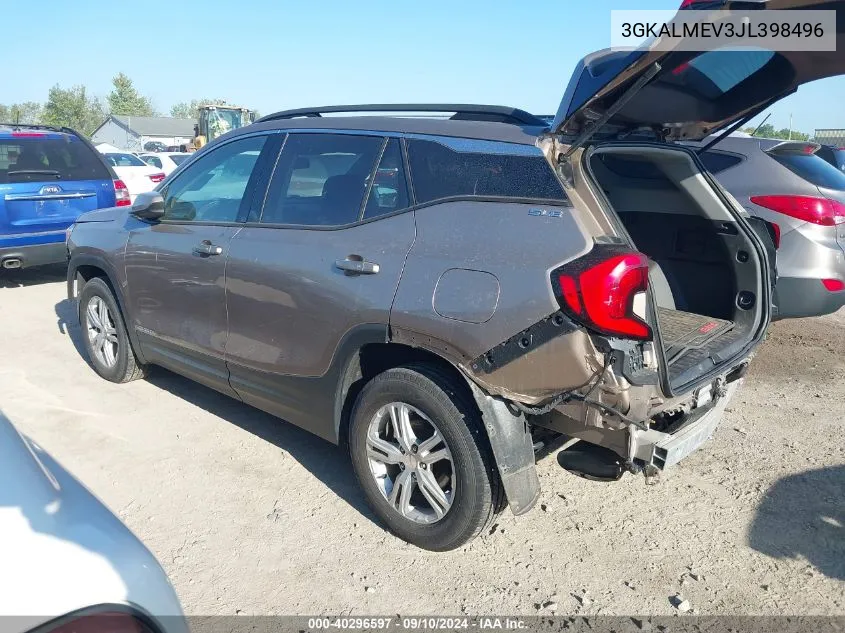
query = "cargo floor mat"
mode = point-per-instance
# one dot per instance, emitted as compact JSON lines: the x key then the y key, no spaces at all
{"x":682,"y":331}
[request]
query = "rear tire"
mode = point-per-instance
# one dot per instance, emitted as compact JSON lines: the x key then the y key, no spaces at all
{"x":445,"y":446}
{"x":104,"y":334}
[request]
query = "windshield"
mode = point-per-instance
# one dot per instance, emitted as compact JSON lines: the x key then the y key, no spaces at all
{"x":221,"y":121}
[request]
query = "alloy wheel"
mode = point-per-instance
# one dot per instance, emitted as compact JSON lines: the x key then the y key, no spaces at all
{"x":102,"y":332}
{"x":411,"y":463}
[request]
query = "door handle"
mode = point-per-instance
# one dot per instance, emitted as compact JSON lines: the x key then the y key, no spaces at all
{"x":207,"y":248}
{"x":357,"y":265}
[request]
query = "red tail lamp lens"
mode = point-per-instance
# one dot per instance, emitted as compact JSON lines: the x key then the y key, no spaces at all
{"x":121,"y":194}
{"x":820,"y":211}
{"x":833,"y":285}
{"x":776,"y":229}
{"x":601,"y":295}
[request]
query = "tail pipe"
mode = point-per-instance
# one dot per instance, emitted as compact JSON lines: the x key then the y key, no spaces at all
{"x":12,"y":262}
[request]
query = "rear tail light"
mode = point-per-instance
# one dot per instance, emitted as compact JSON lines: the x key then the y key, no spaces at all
{"x":121,"y":194}
{"x":598,"y":290}
{"x":682,"y":68}
{"x":808,"y":208}
{"x":102,"y":622}
{"x":156,"y":178}
{"x":833,"y":285}
{"x":775,"y":234}
{"x":27,"y":134}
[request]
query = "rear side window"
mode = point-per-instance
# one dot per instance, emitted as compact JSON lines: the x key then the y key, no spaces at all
{"x":716,"y":162}
{"x":37,"y":159}
{"x":321,"y":179}
{"x":124,"y":160}
{"x":811,"y":168}
{"x":438,"y":171}
{"x":155,"y":161}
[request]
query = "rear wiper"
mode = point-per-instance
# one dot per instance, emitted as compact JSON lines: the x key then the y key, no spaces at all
{"x":42,"y":172}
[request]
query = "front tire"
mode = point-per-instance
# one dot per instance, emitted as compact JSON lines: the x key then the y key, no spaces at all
{"x":104,"y":334}
{"x":422,"y":457}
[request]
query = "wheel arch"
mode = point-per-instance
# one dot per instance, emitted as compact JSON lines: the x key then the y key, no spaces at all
{"x":83,"y":268}
{"x":507,"y":431}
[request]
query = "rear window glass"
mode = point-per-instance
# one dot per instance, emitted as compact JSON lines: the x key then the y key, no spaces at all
{"x":44,"y":159}
{"x":155,"y":161}
{"x":179,"y":158}
{"x":716,"y":162}
{"x":124,"y":160}
{"x":438,"y":172}
{"x":811,"y":168}
{"x":714,"y":73}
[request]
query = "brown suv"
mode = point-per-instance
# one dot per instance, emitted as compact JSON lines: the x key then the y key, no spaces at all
{"x":445,"y":294}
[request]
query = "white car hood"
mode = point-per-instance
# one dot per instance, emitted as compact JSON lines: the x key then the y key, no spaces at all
{"x":62,"y":550}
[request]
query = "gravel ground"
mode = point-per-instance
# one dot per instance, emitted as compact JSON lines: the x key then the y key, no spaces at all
{"x":248,"y":514}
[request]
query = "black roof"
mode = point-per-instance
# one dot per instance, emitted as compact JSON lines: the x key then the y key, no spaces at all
{"x":461,"y":111}
{"x":482,"y":130}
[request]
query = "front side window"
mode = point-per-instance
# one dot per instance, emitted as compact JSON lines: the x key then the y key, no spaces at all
{"x":155,"y":161}
{"x":212,"y":188}
{"x":321,"y":179}
{"x":438,"y":171}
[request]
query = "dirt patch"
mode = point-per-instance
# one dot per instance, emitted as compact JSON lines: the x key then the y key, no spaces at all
{"x":248,"y":514}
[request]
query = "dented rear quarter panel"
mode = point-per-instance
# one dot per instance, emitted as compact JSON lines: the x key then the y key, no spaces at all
{"x":517,"y":243}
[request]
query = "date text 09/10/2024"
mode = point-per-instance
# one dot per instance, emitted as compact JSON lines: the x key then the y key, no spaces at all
{"x":416,"y":623}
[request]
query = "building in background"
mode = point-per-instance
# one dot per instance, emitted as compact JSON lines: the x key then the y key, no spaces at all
{"x":830,"y":136}
{"x":133,"y":133}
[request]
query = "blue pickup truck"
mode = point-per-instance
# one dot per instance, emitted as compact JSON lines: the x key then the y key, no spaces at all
{"x":48,"y":177}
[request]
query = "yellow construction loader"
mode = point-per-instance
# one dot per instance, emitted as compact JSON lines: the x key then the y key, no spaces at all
{"x":216,"y":120}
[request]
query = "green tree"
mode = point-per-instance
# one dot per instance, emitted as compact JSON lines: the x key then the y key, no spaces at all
{"x":190,"y":109}
{"x":73,"y":107}
{"x":125,"y":98}
{"x":26,"y":112}
{"x":768,"y":130}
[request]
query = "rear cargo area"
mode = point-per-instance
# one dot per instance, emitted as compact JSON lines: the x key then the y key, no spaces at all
{"x":704,"y":273}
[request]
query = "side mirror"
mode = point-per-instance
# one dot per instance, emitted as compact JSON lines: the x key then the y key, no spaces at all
{"x":148,"y":206}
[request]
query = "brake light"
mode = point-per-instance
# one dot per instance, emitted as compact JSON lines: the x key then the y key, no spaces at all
{"x":105,"y":622}
{"x":776,"y":234}
{"x":121,"y":194}
{"x":599,"y":289}
{"x":808,"y":208}
{"x":156,"y":178}
{"x":682,"y":68}
{"x":833,"y":285}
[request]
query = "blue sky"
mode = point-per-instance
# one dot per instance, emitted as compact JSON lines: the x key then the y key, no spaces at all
{"x":277,"y":54}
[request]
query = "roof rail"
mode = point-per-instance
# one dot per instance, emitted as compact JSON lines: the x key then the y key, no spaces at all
{"x":38,"y":126}
{"x":462,"y":111}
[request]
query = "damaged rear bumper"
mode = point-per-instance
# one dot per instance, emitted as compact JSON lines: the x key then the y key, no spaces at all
{"x":664,"y":449}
